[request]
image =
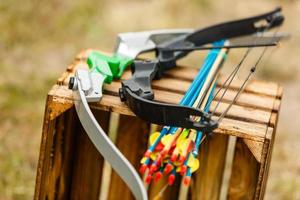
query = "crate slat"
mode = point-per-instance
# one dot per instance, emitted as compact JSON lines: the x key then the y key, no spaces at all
{"x":87,"y":162}
{"x":51,"y":171}
{"x":166,"y":93}
{"x":132,"y":142}
{"x":207,"y":180}
{"x":244,"y":172}
{"x":252,"y":131}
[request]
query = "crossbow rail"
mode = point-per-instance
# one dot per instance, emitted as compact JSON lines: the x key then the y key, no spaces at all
{"x":70,"y":167}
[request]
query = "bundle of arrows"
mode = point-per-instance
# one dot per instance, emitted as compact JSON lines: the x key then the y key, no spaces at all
{"x":174,"y":149}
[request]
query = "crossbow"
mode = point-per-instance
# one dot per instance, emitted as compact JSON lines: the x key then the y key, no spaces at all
{"x":169,"y":45}
{"x":137,"y":92}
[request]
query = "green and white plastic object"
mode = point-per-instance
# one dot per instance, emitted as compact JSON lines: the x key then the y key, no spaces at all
{"x":103,"y":68}
{"x":112,"y":67}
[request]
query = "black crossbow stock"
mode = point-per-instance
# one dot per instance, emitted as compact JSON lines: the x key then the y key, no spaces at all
{"x":169,"y":45}
{"x":137,"y":91}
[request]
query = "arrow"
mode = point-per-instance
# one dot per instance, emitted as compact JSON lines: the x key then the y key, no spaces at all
{"x":184,"y":140}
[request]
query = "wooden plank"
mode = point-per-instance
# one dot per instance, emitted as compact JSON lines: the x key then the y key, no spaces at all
{"x":252,"y":131}
{"x":87,"y":162}
{"x":267,"y":162}
{"x":132,"y":139}
{"x":246,"y":100}
{"x":170,"y":96}
{"x":244,"y":174}
{"x":236,"y":112}
{"x":250,"y":100}
{"x":55,"y":161}
{"x":261,"y":87}
{"x":40,"y":185}
{"x":271,"y":134}
{"x":243,"y":113}
{"x":273,"y":119}
{"x":263,"y":170}
{"x":207,"y":179}
{"x":256,"y":148}
{"x":53,"y":189}
{"x":66,"y":143}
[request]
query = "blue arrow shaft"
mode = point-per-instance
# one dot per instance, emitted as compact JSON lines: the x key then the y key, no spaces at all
{"x":195,"y":87}
{"x":193,"y":91}
{"x":199,"y":133}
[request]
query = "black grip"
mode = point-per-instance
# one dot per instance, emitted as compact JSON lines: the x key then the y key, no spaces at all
{"x":140,"y":82}
{"x":168,"y":114}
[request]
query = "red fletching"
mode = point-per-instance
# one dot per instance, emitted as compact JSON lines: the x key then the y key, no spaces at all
{"x":153,"y":168}
{"x":159,"y":146}
{"x":173,"y":157}
{"x":171,"y":179}
{"x":187,"y":180}
{"x":168,"y":168}
{"x":181,"y":159}
{"x":183,"y":169}
{"x":158,"y":176}
{"x":143,"y":168}
{"x":148,"y":179}
{"x":147,"y":153}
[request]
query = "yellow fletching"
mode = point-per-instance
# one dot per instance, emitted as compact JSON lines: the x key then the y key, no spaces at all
{"x":153,"y":137}
{"x":193,"y":163}
{"x":153,"y":155}
{"x":143,"y":160}
{"x":167,"y":139}
{"x":183,"y":145}
{"x":180,"y":139}
{"x":195,"y":166}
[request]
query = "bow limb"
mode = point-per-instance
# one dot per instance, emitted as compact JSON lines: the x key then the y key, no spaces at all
{"x":106,"y":147}
{"x":226,"y":30}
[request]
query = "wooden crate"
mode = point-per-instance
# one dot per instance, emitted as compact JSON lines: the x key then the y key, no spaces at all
{"x":69,"y":166}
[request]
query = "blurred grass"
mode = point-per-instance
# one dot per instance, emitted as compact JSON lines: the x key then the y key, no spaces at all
{"x":39,"y":38}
